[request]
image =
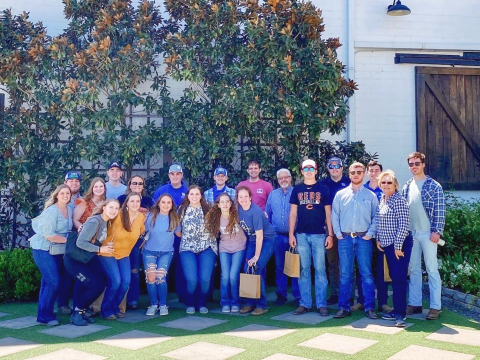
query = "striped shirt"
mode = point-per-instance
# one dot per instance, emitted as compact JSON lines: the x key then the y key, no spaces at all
{"x":393,"y":221}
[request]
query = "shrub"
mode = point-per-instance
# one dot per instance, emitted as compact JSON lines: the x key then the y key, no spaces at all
{"x":19,"y":276}
{"x":460,"y":271}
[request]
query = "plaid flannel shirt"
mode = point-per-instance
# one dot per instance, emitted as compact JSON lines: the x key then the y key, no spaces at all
{"x":393,"y":221}
{"x":209,"y":194}
{"x":433,"y":202}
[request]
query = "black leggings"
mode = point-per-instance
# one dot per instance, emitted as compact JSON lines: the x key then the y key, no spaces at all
{"x":89,"y":281}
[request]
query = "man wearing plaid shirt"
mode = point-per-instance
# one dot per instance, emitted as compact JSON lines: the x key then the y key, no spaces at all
{"x":220,"y":176}
{"x":427,"y":220}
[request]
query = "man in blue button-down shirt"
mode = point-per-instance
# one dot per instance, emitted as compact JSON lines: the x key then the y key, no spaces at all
{"x":353,"y":222}
{"x":278,"y":211}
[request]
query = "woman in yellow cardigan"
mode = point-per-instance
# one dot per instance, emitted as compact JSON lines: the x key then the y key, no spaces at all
{"x":124,"y":233}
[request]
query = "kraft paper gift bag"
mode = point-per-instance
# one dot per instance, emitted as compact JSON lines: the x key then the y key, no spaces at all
{"x":386,"y":272}
{"x":98,"y":303}
{"x":250,"y":285}
{"x":292,"y":263}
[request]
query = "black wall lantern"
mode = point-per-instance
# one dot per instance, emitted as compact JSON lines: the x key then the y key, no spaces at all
{"x":397,"y":9}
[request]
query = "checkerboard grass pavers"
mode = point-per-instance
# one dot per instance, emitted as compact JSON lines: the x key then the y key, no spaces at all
{"x":68,"y":354}
{"x":377,"y":326}
{"x":11,"y":345}
{"x":134,"y":340}
{"x":414,"y":352}
{"x":339,"y":343}
{"x":20,"y":323}
{"x":193,"y":323}
{"x":70,"y":331}
{"x":456,"y":335}
{"x":288,"y":345}
{"x":204,"y":351}
{"x":259,"y":332}
{"x":311,"y":318}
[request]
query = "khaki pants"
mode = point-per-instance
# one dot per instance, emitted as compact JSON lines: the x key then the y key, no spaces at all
{"x":98,"y":303}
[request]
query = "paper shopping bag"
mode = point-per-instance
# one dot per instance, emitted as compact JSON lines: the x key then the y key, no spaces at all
{"x":292,"y":263}
{"x":250,"y":285}
{"x":97,"y":304}
{"x":386,"y":272}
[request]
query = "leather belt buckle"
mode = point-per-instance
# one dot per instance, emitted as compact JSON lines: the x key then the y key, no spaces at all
{"x":353,"y":235}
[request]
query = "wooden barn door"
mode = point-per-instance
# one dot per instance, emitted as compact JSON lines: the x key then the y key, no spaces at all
{"x":448,"y":125}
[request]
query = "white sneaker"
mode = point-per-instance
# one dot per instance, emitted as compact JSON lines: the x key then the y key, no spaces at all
{"x":226,"y":309}
{"x":203,"y":310}
{"x":163,"y":310}
{"x":235,"y":309}
{"x":152,"y":310}
{"x":190,"y":310}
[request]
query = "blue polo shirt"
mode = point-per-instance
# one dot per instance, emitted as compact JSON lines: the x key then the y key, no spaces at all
{"x":177,"y":194}
{"x":377,"y":191}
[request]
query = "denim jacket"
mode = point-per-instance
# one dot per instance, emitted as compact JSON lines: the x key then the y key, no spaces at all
{"x":433,"y":202}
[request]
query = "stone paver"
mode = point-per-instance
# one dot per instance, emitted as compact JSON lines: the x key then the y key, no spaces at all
{"x":415,"y":352}
{"x":456,"y":335}
{"x":68,"y":354}
{"x":421,"y":316}
{"x":135,"y":316}
{"x":311,"y":318}
{"x":134,"y":340}
{"x":204,"y":351}
{"x":3,"y":314}
{"x":71,"y":331}
{"x":219,"y":311}
{"x":272,"y":296}
{"x":284,"y":357}
{"x":192,"y":323}
{"x":259,"y":332}
{"x":11,"y":345}
{"x":338,"y":343}
{"x":377,"y":326}
{"x":20,"y":323}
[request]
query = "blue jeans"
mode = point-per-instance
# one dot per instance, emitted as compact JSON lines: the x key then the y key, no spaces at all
{"x":260,"y":269}
{"x":230,"y":264}
{"x":348,"y":249}
{"x":422,"y":244}
{"x":55,"y":282}
{"x":309,"y":245}
{"x":197,"y":269}
{"x":382,"y":286}
{"x":398,"y":270}
{"x":135,"y":262}
{"x":117,"y":273}
{"x":281,"y":279}
{"x":157,"y":291}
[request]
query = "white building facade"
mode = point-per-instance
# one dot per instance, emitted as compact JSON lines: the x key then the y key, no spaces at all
{"x":384,"y":111}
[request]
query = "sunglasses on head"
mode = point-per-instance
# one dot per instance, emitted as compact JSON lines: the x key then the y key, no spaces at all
{"x":416,"y":163}
{"x":359,"y":172}
{"x":307,"y":169}
{"x":334,"y":166}
{"x":136,"y":183}
{"x":387,"y":182}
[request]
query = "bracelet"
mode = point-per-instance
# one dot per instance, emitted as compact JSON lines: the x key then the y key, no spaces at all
{"x":330,"y":235}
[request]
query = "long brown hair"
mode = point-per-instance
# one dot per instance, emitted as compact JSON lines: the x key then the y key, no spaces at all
{"x":173,"y":218}
{"x":124,"y":211}
{"x":53,"y":196}
{"x":185,"y":203}
{"x":212,"y":219}
{"x":89,"y":194}
{"x":128,"y":191}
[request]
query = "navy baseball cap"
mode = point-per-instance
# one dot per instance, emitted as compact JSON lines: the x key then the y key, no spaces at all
{"x":335,"y":159}
{"x":175,"y":167}
{"x":73,"y":175}
{"x":220,"y":170}
{"x":115,"y":164}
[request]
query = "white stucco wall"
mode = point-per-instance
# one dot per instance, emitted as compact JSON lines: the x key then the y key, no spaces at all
{"x":383,"y":113}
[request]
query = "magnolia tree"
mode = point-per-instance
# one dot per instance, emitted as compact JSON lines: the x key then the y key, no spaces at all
{"x":264,"y":84}
{"x":68,"y":95}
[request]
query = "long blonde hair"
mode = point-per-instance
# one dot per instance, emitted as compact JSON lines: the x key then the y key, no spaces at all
{"x":53,"y":196}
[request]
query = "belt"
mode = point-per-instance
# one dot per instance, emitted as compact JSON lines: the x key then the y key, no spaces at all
{"x":354,"y":234}
{"x":281,"y":233}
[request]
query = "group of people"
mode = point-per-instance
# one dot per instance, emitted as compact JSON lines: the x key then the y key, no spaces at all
{"x":334,"y":222}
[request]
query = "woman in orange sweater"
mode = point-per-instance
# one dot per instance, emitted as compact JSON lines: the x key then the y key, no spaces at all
{"x":124,"y":233}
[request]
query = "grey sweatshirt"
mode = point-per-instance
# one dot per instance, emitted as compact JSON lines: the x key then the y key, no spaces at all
{"x":88,"y":232}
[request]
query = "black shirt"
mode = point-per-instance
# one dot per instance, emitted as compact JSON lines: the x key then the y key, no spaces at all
{"x":311,"y":201}
{"x":335,"y":186}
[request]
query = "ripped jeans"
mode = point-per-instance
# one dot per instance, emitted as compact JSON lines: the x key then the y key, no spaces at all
{"x":156,"y":265}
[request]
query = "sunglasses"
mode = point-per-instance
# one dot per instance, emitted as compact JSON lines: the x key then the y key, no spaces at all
{"x":334,"y":166}
{"x":416,"y":163}
{"x":307,"y":169}
{"x":359,"y":172}
{"x":136,"y":183}
{"x":387,"y":182}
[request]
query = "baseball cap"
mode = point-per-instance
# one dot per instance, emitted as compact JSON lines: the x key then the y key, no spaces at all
{"x":335,"y":159}
{"x":309,"y":162}
{"x":115,"y":164}
{"x":73,"y":175}
{"x":220,"y":170}
{"x":175,"y":167}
